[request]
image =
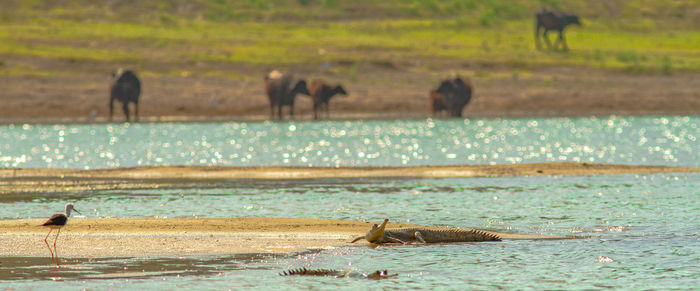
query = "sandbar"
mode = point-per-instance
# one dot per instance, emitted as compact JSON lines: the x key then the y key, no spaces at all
{"x":167,"y":237}
{"x":152,"y":237}
{"x":13,"y":180}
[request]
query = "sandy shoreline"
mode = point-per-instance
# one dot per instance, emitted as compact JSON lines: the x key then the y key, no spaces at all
{"x":115,"y":237}
{"x":149,"y":237}
{"x":144,"y":237}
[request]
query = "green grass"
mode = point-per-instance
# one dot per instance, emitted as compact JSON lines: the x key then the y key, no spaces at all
{"x":490,"y":34}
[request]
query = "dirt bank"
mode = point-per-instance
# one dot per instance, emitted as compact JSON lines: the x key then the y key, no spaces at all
{"x":374,"y":92}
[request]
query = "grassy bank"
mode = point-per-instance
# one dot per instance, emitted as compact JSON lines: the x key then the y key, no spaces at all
{"x":224,"y":38}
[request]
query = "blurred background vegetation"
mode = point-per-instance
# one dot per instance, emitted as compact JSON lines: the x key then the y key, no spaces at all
{"x":229,"y":38}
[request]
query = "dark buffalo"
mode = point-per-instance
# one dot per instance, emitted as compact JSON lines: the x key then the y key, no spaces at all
{"x":281,"y":90}
{"x":452,"y":96}
{"x":126,"y":88}
{"x":321,"y":94}
{"x":553,"y":20}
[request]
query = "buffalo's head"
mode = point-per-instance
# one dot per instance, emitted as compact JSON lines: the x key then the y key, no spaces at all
{"x":301,"y":87}
{"x":573,"y":19}
{"x":340,"y":90}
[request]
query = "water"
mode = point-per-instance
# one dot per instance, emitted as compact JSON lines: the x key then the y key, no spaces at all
{"x":647,"y":224}
{"x":621,"y":140}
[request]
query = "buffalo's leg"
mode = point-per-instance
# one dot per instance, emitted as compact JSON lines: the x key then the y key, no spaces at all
{"x":136,"y":110}
{"x":563,"y":41}
{"x":538,"y":44}
{"x":125,"y":107}
{"x":546,"y":38}
{"x":316,"y":108}
{"x":111,"y":108}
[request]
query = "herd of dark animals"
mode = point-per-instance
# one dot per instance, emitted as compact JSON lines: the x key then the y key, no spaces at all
{"x":450,"y":98}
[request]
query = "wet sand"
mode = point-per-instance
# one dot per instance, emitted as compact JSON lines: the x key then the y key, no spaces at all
{"x":151,"y":237}
{"x":36,"y":180}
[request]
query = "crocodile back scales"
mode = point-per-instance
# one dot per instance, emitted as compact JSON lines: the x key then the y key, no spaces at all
{"x":440,"y":235}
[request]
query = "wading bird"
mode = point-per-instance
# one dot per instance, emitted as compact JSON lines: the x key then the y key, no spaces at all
{"x":57,"y":221}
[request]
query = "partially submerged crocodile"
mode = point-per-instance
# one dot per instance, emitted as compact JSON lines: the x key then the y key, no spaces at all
{"x":337,"y":273}
{"x":380,"y":235}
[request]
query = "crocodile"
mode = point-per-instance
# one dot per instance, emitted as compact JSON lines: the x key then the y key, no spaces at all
{"x":380,"y":235}
{"x":376,"y":275}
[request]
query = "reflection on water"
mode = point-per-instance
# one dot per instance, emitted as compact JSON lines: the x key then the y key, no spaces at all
{"x":626,"y":140}
{"x":38,"y":268}
{"x":638,"y":262}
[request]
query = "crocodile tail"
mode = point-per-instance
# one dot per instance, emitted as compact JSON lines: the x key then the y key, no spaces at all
{"x":464,"y":235}
{"x":309,"y":272}
{"x":489,"y":236}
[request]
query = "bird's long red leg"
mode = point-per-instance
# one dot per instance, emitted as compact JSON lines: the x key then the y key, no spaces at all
{"x":47,"y":244}
{"x":58,"y":265}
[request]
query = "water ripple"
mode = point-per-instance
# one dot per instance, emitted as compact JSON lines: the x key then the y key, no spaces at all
{"x":627,"y":140}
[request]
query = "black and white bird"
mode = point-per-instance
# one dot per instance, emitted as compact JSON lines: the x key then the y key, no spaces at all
{"x":57,"y":221}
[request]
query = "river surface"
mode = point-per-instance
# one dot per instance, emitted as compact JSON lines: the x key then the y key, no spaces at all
{"x":621,"y":140}
{"x":641,"y":230}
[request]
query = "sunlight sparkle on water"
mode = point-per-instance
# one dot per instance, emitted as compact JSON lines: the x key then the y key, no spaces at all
{"x":621,"y":140}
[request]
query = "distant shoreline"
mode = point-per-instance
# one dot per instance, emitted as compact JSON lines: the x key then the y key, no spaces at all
{"x":374,"y":95}
{"x":340,"y":116}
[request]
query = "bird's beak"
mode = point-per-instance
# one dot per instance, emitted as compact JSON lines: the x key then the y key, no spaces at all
{"x":76,"y":210}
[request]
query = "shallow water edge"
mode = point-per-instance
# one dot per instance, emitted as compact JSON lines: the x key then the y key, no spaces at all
{"x":163,"y":174}
{"x":157,"y":237}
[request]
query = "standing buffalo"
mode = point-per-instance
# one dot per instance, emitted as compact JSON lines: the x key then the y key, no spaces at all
{"x":451,"y":96}
{"x":281,"y":90}
{"x":553,"y":20}
{"x":126,"y":88}
{"x":321,"y":93}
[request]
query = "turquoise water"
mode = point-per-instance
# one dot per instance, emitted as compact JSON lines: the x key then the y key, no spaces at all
{"x":647,"y":224}
{"x":625,"y":140}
